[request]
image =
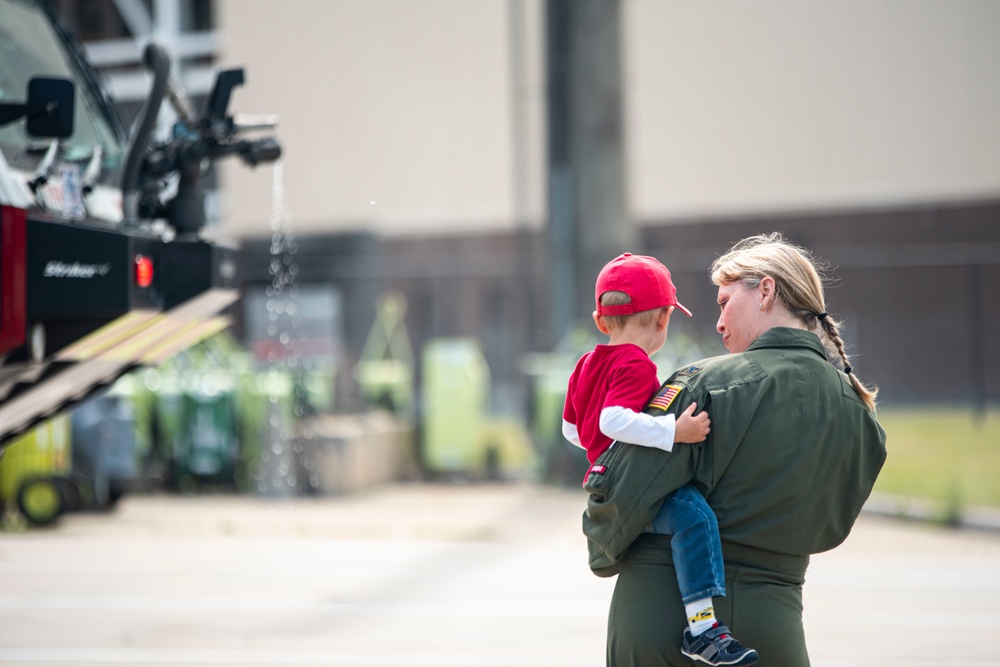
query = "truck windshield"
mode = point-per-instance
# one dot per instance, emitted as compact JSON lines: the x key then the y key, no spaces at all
{"x":31,"y":46}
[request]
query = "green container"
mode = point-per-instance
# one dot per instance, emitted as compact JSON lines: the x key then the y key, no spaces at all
{"x":205,"y":444}
{"x":455,"y":390}
{"x":192,"y":409}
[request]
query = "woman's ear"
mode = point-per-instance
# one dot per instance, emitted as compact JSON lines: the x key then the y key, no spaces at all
{"x":766,"y":290}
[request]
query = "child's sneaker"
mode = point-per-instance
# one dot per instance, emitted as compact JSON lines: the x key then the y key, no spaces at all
{"x":716,"y":646}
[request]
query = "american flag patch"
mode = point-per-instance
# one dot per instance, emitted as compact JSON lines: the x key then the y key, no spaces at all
{"x":666,"y":396}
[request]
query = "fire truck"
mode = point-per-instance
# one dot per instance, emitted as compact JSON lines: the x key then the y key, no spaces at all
{"x":103,"y":266}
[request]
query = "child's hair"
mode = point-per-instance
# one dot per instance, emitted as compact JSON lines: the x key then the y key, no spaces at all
{"x":645,"y":318}
{"x":798,"y":279}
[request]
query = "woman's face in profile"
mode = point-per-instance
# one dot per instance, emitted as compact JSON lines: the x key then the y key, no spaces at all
{"x":739,"y":317}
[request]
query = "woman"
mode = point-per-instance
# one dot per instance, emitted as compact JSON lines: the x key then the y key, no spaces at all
{"x":793,"y":455}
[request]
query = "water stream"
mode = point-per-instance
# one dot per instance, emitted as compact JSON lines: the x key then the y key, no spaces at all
{"x":283,"y":469}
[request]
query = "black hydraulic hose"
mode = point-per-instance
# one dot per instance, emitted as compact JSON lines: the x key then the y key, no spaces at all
{"x":157,"y":61}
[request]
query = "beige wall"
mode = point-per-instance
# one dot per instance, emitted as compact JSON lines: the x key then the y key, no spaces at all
{"x":789,"y":104}
{"x":747,"y":107}
{"x":396,"y":116}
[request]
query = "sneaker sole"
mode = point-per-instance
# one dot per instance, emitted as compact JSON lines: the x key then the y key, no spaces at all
{"x":748,"y":659}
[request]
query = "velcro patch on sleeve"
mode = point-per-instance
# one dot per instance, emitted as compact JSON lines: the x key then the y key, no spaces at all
{"x":689,"y":371}
{"x":666,"y":396}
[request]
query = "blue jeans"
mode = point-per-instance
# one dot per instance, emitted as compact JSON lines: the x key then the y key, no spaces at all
{"x":694,"y":543}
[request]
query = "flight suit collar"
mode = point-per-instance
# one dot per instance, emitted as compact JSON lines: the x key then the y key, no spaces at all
{"x":783,"y":337}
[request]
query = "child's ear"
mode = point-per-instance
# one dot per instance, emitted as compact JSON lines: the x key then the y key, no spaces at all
{"x":663,"y":318}
{"x":601,"y":326}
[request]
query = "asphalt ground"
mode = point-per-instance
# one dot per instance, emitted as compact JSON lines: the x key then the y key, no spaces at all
{"x":433,"y":575}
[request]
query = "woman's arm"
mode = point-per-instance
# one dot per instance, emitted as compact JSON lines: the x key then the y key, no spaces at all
{"x":627,"y":489}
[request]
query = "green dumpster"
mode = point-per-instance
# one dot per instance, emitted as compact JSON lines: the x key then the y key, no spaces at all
{"x":205,"y":444}
{"x":198,"y":417}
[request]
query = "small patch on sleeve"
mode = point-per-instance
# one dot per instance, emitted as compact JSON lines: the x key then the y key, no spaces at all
{"x":689,"y":371}
{"x":598,"y":469}
{"x":666,"y":396}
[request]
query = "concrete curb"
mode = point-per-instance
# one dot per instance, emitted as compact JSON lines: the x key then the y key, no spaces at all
{"x":919,"y":509}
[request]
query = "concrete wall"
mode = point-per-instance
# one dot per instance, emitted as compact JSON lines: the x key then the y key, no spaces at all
{"x":396,"y":117}
{"x":785,"y":105}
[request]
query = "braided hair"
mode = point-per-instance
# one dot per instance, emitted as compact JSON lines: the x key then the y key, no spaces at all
{"x":798,"y":279}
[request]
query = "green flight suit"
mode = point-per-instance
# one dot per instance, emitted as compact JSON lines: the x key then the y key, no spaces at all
{"x":792,"y":457}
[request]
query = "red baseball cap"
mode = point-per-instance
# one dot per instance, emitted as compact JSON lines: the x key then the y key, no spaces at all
{"x":644,"y":279}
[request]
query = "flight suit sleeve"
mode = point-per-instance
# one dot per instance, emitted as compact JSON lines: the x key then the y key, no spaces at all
{"x":627,"y":484}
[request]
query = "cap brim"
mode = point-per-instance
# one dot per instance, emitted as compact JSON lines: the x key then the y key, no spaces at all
{"x":684,"y":310}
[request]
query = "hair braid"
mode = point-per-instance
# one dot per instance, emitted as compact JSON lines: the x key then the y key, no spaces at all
{"x":832,"y":329}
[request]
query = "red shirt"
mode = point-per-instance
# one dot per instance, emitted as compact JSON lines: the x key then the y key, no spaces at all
{"x":610,"y":375}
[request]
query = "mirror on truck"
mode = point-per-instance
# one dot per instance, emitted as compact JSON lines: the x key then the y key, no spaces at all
{"x":48,"y":110}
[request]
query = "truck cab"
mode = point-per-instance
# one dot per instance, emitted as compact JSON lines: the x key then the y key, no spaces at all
{"x":102,"y":264}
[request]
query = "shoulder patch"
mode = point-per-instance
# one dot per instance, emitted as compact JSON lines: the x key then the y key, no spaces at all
{"x":689,"y":371}
{"x":665,"y":396}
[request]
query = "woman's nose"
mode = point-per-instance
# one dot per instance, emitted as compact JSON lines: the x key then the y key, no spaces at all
{"x":720,"y":326}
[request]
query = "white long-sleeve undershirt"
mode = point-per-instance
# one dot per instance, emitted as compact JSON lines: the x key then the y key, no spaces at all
{"x":571,"y":434}
{"x":626,"y":425}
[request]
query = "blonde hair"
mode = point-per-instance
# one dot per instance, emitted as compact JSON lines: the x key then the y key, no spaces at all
{"x":798,"y":279}
{"x":645,"y":318}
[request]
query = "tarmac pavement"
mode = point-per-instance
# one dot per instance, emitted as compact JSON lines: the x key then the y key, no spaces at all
{"x":477,"y":575}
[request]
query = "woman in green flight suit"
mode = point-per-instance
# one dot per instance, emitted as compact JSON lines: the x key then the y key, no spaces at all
{"x":793,"y":455}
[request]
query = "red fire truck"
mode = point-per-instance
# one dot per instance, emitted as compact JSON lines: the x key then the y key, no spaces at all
{"x":102,"y":265}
